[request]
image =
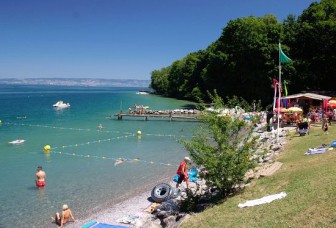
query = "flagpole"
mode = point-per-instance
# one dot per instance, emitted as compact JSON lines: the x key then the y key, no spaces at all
{"x":278,"y":130}
{"x":275,"y":89}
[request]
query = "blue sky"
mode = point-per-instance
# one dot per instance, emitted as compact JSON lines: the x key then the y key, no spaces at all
{"x":117,"y":39}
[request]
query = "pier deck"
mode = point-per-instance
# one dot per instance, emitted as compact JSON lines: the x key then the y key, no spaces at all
{"x":162,"y":116}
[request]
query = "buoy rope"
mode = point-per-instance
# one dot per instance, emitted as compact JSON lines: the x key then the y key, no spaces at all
{"x":61,"y":128}
{"x":84,"y":129}
{"x":92,"y":142}
{"x":107,"y":140}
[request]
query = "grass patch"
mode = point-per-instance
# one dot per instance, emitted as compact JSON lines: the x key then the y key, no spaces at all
{"x":310,"y":184}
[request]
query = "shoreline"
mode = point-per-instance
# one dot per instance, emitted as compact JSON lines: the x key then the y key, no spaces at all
{"x":135,"y":203}
{"x":131,"y":204}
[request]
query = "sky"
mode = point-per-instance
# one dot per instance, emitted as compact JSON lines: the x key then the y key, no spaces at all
{"x":116,"y":39}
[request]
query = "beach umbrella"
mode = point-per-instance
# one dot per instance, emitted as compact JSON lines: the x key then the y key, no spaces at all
{"x":294,"y":109}
{"x":331,"y":105}
{"x":281,"y":110}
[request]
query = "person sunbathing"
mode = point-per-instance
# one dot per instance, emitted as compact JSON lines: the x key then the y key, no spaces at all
{"x":66,"y":216}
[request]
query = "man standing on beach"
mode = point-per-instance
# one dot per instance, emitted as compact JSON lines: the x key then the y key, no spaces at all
{"x":40,"y":177}
{"x":182,"y":172}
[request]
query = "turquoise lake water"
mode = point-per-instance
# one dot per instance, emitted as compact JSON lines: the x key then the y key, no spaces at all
{"x":80,"y":166}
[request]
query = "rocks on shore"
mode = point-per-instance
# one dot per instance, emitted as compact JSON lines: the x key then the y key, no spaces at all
{"x":268,"y":148}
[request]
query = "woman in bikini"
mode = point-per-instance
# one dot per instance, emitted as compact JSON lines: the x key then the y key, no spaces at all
{"x":66,"y":216}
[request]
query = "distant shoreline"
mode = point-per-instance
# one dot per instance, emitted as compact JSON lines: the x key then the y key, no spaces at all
{"x":84,"y":82}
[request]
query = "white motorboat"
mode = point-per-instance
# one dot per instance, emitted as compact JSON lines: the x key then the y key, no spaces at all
{"x":61,"y":104}
{"x":18,"y":141}
{"x":142,"y":92}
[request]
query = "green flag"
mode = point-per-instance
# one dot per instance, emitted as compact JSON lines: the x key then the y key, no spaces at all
{"x":283,"y":57}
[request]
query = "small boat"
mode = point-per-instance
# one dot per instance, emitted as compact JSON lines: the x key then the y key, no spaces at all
{"x":142,"y":92}
{"x":18,"y":141}
{"x":61,"y":104}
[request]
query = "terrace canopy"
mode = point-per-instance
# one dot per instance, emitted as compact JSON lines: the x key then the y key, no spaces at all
{"x":308,"y":96}
{"x":307,"y":100}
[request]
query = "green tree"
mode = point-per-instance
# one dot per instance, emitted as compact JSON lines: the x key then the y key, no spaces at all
{"x":251,"y":46}
{"x":223,"y":146}
{"x":159,"y":80}
{"x":315,"y":47}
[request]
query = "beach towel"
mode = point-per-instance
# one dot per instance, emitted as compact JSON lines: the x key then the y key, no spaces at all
{"x":266,"y":199}
{"x":100,"y":225}
{"x":316,"y":151}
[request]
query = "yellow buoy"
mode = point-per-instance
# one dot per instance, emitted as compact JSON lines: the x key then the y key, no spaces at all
{"x":46,"y":147}
{"x":139,"y":132}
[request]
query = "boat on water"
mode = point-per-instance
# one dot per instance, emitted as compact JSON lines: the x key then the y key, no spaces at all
{"x":61,"y":104}
{"x":142,"y":93}
{"x":18,"y":141}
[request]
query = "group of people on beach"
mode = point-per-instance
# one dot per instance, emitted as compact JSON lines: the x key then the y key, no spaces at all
{"x":66,"y":215}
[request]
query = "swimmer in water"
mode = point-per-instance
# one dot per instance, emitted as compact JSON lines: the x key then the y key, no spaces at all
{"x":100,"y":126}
{"x":119,"y":161}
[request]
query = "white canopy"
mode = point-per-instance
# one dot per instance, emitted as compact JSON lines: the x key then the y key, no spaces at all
{"x":308,"y":95}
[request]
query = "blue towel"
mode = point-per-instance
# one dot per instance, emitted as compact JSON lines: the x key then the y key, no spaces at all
{"x":100,"y":225}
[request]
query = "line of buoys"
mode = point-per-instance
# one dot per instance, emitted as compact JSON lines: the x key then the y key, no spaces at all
{"x":108,"y":140}
{"x":139,"y":133}
{"x":61,"y":128}
{"x":93,"y":142}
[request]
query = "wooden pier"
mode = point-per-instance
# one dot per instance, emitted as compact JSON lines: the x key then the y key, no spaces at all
{"x":159,"y":116}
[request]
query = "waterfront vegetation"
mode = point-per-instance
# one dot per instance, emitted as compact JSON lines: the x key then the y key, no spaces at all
{"x":223,"y":145}
{"x":244,"y":59}
{"x":309,"y":181}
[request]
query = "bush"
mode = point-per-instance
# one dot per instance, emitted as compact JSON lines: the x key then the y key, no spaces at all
{"x":223,"y":145}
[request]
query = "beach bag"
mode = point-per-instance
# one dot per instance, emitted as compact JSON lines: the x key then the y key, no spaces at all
{"x":333,"y":144}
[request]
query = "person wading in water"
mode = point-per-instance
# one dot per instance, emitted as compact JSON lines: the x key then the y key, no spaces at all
{"x":40,"y":177}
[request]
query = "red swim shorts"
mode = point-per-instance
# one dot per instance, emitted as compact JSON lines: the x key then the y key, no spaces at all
{"x":40,"y":184}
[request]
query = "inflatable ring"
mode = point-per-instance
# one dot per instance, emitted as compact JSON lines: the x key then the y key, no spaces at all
{"x":161,"y":192}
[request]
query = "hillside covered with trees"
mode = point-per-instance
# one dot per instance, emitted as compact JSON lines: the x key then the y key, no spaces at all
{"x":244,"y":60}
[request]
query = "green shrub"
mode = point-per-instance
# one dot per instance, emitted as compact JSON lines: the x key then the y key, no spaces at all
{"x":223,"y":145}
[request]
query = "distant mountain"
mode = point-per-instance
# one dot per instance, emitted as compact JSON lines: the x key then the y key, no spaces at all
{"x":76,"y":82}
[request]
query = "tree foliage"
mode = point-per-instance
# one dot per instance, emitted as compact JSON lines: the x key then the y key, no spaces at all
{"x":244,"y":59}
{"x":223,"y":146}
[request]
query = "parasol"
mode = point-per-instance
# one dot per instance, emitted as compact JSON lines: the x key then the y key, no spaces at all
{"x":281,"y":110}
{"x":331,"y":104}
{"x":294,"y":109}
